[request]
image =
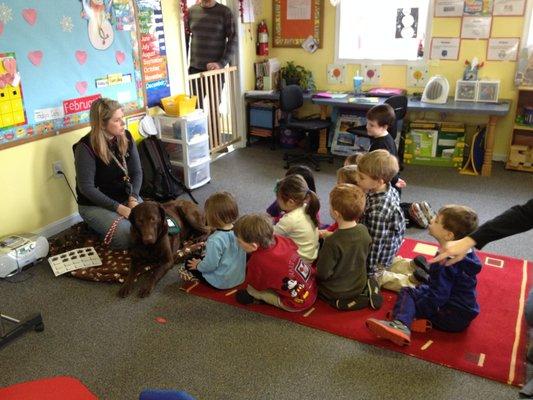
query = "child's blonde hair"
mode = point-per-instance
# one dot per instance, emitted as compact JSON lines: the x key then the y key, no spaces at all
{"x":221,"y":209}
{"x":378,"y":164}
{"x":255,"y":228}
{"x":294,"y":187}
{"x":348,"y":200}
{"x":459,"y":220}
{"x":347,"y":174}
{"x":351,"y":159}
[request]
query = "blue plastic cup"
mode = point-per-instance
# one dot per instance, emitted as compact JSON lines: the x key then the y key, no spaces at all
{"x":357,"y":84}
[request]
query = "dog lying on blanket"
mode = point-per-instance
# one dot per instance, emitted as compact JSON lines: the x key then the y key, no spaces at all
{"x":154,"y":245}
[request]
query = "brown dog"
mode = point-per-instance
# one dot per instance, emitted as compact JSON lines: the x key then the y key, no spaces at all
{"x":152,"y":243}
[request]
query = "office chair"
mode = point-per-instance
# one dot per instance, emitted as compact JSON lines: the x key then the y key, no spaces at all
{"x":291,"y":98}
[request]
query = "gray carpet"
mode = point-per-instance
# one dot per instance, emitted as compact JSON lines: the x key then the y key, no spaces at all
{"x":216,"y":351}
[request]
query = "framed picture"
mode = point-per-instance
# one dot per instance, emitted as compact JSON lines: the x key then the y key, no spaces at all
{"x":466,"y":91}
{"x":488,"y":91}
{"x":296,"y":20}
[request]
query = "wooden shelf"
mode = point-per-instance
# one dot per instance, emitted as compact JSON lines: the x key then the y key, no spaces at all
{"x":525,"y":88}
{"x":523,"y":127}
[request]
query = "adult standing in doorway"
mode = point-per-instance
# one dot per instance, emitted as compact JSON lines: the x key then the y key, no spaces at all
{"x":515,"y":220}
{"x":212,"y":36}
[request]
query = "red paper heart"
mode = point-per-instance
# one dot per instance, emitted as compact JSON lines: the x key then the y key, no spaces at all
{"x":30,"y":15}
{"x":35,"y":57}
{"x":81,"y":87}
{"x":10,"y":64}
{"x":1,"y":27}
{"x":81,"y":56}
{"x":120,"y":56}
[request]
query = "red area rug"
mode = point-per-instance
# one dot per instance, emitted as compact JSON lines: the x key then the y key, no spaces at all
{"x":493,"y":346}
{"x":61,"y":387}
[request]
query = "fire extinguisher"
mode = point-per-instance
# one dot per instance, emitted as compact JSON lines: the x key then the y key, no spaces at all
{"x":262,"y":39}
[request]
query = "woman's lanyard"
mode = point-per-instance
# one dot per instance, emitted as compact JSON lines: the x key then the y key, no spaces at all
{"x":124,"y":167}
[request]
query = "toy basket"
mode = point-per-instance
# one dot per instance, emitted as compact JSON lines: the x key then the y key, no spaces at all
{"x":179,"y":105}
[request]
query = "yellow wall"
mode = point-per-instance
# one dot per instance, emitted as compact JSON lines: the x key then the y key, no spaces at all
{"x":31,"y":197}
{"x":395,"y":75}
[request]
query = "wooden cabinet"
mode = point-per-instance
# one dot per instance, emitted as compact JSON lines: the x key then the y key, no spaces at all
{"x":521,"y":144}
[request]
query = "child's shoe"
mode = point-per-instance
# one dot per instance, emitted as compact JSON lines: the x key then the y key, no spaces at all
{"x":374,"y":293}
{"x":421,"y":276}
{"x":243,"y":297}
{"x":421,"y":262}
{"x":395,"y":331}
{"x":418,"y":216}
{"x":184,"y":274}
{"x":427,"y":210}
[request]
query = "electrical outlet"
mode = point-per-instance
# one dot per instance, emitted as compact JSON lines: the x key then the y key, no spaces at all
{"x":57,"y":167}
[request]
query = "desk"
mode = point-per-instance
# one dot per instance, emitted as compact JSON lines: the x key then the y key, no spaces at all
{"x":493,"y":110}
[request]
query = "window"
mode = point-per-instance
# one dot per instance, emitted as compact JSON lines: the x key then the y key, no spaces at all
{"x":381,"y":30}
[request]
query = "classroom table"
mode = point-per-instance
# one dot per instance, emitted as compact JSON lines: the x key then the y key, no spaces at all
{"x":493,"y":110}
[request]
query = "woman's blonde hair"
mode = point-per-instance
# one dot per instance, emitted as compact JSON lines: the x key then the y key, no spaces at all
{"x":294,"y":187}
{"x":101,"y":112}
{"x":221,"y":209}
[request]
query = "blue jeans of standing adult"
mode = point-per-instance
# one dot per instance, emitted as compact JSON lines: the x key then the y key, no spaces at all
{"x":100,"y":220}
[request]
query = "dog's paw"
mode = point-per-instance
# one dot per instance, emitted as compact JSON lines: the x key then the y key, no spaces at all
{"x":124,"y":291}
{"x":145,"y":290}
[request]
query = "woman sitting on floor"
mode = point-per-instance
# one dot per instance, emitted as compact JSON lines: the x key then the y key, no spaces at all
{"x":108,"y":173}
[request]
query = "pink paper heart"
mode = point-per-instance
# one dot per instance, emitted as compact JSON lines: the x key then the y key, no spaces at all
{"x":1,"y":27}
{"x":35,"y":57}
{"x":120,"y":56}
{"x":81,"y":87}
{"x":10,"y":64}
{"x":81,"y":56}
{"x":30,"y":15}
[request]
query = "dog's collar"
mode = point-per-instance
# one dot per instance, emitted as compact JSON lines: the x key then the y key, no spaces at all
{"x":173,"y":227}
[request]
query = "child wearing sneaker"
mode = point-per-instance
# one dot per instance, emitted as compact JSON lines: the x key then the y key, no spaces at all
{"x":382,"y":217}
{"x":275,"y":272}
{"x":448,"y":301}
{"x":224,"y":263}
{"x":378,"y":120}
{"x":341,"y":266}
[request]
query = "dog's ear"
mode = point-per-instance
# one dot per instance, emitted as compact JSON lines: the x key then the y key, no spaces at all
{"x":163,"y":227}
{"x":133,"y":228}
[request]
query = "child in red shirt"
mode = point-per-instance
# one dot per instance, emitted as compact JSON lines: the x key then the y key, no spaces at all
{"x":275,"y":272}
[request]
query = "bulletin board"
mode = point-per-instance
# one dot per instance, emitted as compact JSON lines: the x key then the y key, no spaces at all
{"x":58,"y":56}
{"x":296,"y":20}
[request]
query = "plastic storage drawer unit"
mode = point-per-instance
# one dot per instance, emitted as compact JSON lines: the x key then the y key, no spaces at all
{"x":187,"y":128}
{"x":190,"y":154}
{"x":194,"y":176}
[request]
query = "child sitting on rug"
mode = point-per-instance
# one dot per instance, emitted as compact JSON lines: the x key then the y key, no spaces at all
{"x":300,"y":222}
{"x":224,"y":263}
{"x":306,"y":173}
{"x":383,"y":216}
{"x":346,"y":174}
{"x":449,"y":300}
{"x":341,"y":266}
{"x":275,"y":272}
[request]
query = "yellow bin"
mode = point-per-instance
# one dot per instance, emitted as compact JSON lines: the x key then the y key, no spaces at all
{"x":179,"y":105}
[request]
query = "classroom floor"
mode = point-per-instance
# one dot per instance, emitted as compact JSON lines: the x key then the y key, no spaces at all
{"x":215,"y":351}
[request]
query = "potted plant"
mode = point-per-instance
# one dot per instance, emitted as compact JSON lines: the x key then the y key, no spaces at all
{"x":293,"y":74}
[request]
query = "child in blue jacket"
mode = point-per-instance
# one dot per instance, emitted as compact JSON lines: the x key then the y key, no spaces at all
{"x":448,"y":301}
